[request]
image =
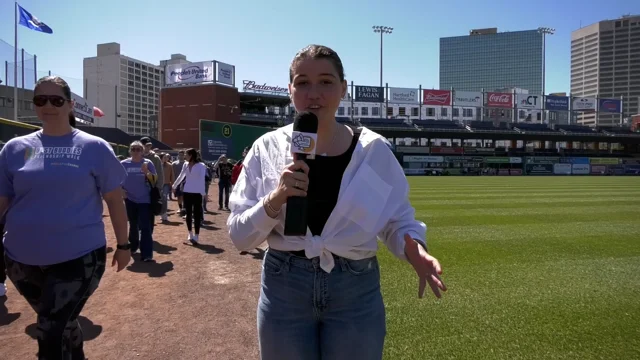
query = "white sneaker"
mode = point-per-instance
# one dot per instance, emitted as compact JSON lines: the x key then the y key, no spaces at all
{"x":3,"y":289}
{"x":195,"y":238}
{"x":164,"y":217}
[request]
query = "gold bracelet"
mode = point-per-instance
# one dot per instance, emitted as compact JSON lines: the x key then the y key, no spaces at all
{"x":267,"y":203}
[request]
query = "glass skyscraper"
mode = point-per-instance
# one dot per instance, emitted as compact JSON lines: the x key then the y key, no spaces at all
{"x":490,"y":60}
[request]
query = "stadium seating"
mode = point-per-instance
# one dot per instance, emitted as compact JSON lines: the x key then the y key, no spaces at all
{"x":526,"y":127}
{"x":438,"y":124}
{"x":374,"y":122}
{"x":575,"y":129}
{"x":615,"y":130}
{"x":482,"y":125}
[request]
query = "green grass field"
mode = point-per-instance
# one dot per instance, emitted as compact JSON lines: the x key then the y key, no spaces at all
{"x":537,"y":268}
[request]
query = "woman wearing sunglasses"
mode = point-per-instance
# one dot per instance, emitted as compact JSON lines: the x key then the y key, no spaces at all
{"x":141,"y":177}
{"x":55,"y":244}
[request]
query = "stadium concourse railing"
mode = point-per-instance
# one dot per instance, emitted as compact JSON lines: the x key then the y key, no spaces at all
{"x":10,"y":129}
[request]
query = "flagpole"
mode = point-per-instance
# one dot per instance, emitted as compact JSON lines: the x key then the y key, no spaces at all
{"x":15,"y":66}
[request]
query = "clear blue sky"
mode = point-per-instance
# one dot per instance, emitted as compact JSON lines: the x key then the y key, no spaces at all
{"x":261,"y":37}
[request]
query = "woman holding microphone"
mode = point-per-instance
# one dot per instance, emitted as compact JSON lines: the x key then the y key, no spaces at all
{"x":320,"y":296}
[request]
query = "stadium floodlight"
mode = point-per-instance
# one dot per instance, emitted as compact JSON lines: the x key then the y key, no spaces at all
{"x":378,"y":29}
{"x":544,"y":31}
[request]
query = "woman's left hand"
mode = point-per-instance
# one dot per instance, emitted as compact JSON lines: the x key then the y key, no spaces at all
{"x":426,"y":266}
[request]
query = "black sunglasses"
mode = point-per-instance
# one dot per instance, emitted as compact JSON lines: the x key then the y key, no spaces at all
{"x":55,"y":100}
{"x":136,"y":149}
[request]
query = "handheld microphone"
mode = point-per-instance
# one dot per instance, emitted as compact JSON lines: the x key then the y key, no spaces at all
{"x":303,"y":146}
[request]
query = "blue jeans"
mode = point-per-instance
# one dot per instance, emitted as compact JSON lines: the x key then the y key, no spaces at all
{"x":306,"y":313}
{"x":140,"y":228}
{"x":166,"y":192}
{"x":224,"y":186}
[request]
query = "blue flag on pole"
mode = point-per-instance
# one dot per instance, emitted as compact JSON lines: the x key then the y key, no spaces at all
{"x":30,"y":21}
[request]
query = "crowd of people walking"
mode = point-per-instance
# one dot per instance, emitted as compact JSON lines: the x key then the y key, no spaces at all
{"x":56,"y":261}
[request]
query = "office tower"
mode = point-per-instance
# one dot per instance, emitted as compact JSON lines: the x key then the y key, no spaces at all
{"x":605,"y":62}
{"x":126,"y":89}
{"x":488,"y":59}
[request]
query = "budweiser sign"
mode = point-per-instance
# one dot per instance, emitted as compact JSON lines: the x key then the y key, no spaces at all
{"x":501,"y":100}
{"x":250,"y":85}
{"x":436,"y":97}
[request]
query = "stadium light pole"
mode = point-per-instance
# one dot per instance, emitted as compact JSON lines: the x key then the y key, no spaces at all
{"x":544,"y":31}
{"x":382,"y":30}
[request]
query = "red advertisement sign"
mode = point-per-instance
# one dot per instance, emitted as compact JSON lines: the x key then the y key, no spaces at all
{"x":501,"y":100}
{"x":436,"y":97}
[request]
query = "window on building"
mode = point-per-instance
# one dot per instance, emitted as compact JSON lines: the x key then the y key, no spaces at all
{"x":431,"y":111}
{"x":415,"y":111}
{"x":375,"y":111}
{"x":467,"y":112}
{"x":444,"y":112}
{"x":389,"y":111}
{"x":402,"y":111}
{"x":456,"y":112}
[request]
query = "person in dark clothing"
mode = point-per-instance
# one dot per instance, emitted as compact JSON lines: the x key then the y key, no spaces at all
{"x":225,"y":170}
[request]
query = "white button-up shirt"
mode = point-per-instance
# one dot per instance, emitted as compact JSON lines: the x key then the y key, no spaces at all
{"x":373,"y":203}
{"x":194,"y":178}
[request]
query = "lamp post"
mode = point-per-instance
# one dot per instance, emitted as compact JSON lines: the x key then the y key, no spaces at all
{"x":381,"y":30}
{"x":544,"y":31}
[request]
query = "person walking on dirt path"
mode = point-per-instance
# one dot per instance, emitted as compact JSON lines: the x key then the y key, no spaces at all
{"x":55,"y":244}
{"x":177,"y":168}
{"x":193,"y":173}
{"x":225,"y":170}
{"x":167,"y":169}
{"x":320,"y":296}
{"x":142,"y":177}
{"x":149,"y":154}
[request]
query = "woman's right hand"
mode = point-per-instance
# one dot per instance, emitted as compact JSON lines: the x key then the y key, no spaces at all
{"x":292,"y":183}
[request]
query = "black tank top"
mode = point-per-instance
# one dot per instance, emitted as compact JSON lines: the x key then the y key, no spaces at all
{"x":325,"y":177}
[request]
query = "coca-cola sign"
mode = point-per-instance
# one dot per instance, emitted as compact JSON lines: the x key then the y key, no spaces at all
{"x":502,"y":100}
{"x":436,"y":97}
{"x":252,"y":86}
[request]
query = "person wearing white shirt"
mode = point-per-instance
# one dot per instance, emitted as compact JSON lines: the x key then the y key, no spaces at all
{"x":193,"y":172}
{"x":320,"y":295}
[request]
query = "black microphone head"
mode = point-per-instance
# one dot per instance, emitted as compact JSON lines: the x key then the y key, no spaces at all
{"x":306,"y":122}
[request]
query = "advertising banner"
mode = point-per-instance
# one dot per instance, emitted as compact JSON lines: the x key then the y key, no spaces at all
{"x":562,"y":169}
{"x":82,"y":109}
{"x":468,"y":98}
{"x":226,"y":73}
{"x":513,"y":172}
{"x":584,"y":104}
{"x":580,"y":169}
{"x":252,"y":86}
{"x":373,"y":94}
{"x":191,"y":73}
{"x":539,"y":169}
{"x":501,"y":100}
{"x":604,"y":161}
{"x":610,"y":105}
{"x":464,"y":159}
{"x":575,"y":160}
{"x":436,"y":97}
{"x":217,"y":138}
{"x":403,"y":95}
{"x":496,"y":160}
{"x":556,"y":103}
{"x":422,"y":159}
{"x":446,"y":150}
{"x":632,"y":169}
{"x":542,"y":160}
{"x":413,"y":149}
{"x":598,"y":169}
{"x":527,"y":101}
